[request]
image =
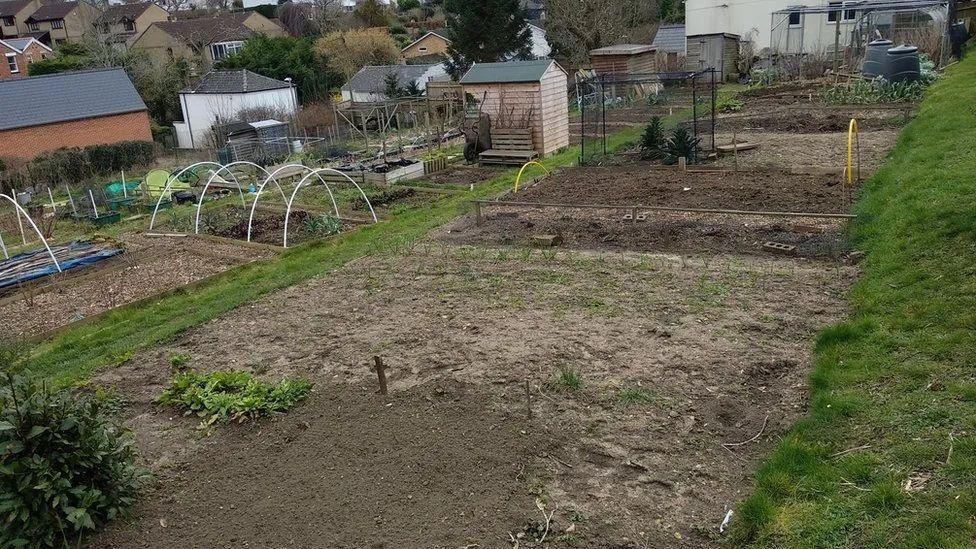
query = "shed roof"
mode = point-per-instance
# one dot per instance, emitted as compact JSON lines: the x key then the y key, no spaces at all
{"x":372,"y":78}
{"x":67,"y":96}
{"x":235,"y":81}
{"x":670,"y":38}
{"x":11,"y":7}
{"x":623,"y":49}
{"x":507,"y":72}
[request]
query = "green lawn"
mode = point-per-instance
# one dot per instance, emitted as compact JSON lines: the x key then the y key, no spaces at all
{"x":893,"y":400}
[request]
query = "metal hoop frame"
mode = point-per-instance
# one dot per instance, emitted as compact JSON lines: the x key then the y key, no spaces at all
{"x":20,"y":210}
{"x":302,"y":182}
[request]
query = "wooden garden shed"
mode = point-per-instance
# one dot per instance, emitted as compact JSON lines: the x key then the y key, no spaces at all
{"x":525,"y":99}
{"x":714,"y":51}
{"x":624,"y":59}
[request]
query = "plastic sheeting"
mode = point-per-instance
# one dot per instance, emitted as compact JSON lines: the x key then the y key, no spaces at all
{"x":28,"y":266}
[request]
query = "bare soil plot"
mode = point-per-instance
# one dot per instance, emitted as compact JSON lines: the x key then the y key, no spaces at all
{"x":634,"y":184}
{"x":463,"y":175}
{"x":148,"y":267}
{"x":675,"y":357}
{"x":791,"y":151}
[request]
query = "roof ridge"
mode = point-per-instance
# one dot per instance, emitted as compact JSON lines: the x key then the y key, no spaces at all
{"x":65,"y":73}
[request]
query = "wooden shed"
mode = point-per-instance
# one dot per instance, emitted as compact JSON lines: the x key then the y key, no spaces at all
{"x":714,"y":51}
{"x":624,"y":59}
{"x":527,"y":98}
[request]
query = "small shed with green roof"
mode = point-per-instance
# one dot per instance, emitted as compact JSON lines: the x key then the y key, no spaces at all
{"x":523,"y":95}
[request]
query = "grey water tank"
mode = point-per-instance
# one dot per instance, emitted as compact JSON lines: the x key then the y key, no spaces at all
{"x":903,"y":64}
{"x":876,"y":58}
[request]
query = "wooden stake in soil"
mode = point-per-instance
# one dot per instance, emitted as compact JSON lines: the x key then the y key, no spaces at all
{"x":528,"y":400}
{"x":380,"y":373}
{"x":682,"y":163}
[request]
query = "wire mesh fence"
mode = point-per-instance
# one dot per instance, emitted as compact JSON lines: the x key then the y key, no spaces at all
{"x":611,"y":103}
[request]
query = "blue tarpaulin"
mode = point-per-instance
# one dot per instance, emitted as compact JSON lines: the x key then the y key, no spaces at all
{"x":28,"y":266}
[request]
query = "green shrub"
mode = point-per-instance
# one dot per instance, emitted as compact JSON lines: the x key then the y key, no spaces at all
{"x":567,"y":378}
{"x":65,"y":467}
{"x":730,"y":104}
{"x":219,"y":397}
{"x":878,"y":90}
{"x":652,"y":140}
{"x":682,"y":144}
{"x":78,"y":164}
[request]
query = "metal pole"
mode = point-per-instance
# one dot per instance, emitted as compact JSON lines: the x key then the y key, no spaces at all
{"x":694,"y":105}
{"x":713,"y":109}
{"x":4,"y":246}
{"x":51,"y":196}
{"x":20,"y":224}
{"x":840,"y":14}
{"x":71,"y":200}
{"x":125,"y":193}
{"x":94,"y":208}
{"x":603,"y":107}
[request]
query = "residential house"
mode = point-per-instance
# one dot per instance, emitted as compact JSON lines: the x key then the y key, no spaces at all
{"x":430,"y":44}
{"x":17,"y":55}
{"x":351,"y":5}
{"x":222,"y":96}
{"x":535,"y":10}
{"x":121,"y":24}
{"x":204,"y":39}
{"x":370,"y":83}
{"x":64,"y":21}
{"x":13,"y":17}
{"x":70,"y":109}
{"x":540,"y":44}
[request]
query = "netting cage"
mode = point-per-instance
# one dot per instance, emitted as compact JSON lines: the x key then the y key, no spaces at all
{"x":610,"y":105}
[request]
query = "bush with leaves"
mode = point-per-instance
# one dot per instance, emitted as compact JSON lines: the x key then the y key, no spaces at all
{"x":682,"y":144}
{"x":323,"y":225}
{"x":652,"y":140}
{"x":219,"y":397}
{"x":65,"y":467}
{"x":878,"y":90}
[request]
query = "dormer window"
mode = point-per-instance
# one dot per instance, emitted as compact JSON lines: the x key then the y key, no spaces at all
{"x":57,"y":24}
{"x":222,"y":50}
{"x":32,"y":25}
{"x":130,"y":26}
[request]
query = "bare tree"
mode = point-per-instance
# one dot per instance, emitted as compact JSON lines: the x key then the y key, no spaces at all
{"x":310,"y":18}
{"x":577,"y":26}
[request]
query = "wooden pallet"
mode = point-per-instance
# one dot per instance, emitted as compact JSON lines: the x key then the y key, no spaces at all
{"x":509,"y":146}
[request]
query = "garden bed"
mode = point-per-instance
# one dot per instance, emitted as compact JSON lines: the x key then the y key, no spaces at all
{"x":667,"y":360}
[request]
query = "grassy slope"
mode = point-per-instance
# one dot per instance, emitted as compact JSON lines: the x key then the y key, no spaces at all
{"x":894,"y":387}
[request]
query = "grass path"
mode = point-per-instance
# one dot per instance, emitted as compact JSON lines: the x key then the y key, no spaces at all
{"x":887,"y":455}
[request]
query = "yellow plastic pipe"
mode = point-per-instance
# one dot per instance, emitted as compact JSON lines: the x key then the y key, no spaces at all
{"x":518,"y":178}
{"x":851,"y":135}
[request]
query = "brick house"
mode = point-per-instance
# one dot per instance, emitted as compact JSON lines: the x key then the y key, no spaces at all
{"x":122,"y":24}
{"x":64,"y":21}
{"x":18,"y":53}
{"x":71,"y":109}
{"x":204,"y":40}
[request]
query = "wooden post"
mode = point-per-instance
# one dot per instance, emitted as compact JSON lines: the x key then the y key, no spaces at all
{"x":477,"y":214}
{"x":735,"y":153}
{"x":380,"y":373}
{"x":682,"y":164}
{"x":633,"y":216}
{"x":528,"y":400}
{"x":840,"y":14}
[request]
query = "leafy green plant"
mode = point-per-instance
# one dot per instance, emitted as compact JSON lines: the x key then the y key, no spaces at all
{"x":762,"y":78}
{"x":730,"y":104}
{"x":652,"y":140}
{"x":682,"y":144}
{"x":878,"y":90}
{"x":65,"y":467}
{"x":220,"y":397}
{"x":178,"y":360}
{"x":323,"y":225}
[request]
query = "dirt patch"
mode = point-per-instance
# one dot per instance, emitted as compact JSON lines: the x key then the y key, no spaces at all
{"x":148,"y":267}
{"x":437,"y":467}
{"x":714,"y":348}
{"x":784,"y":151}
{"x":660,"y":232}
{"x":811,"y":120}
{"x":648,"y":184}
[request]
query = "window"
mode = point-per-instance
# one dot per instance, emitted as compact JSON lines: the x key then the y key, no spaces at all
{"x":795,"y":19}
{"x":8,"y":21}
{"x":32,"y":25}
{"x":12,"y":63}
{"x":221,"y":50}
{"x":130,"y":26}
{"x":57,"y":24}
{"x":848,"y":15}
{"x":422,"y":49}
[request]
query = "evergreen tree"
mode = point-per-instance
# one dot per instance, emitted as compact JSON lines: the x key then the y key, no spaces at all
{"x":484,"y":31}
